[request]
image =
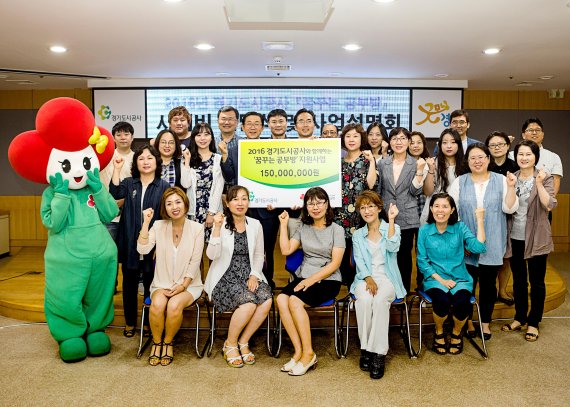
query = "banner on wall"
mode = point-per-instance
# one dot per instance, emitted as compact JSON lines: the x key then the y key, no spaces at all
{"x":279,"y":172}
{"x":339,"y":106}
{"x":431,"y":109}
{"x":120,"y":105}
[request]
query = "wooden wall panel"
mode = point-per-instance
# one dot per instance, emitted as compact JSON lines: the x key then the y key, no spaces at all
{"x":513,"y":100}
{"x":23,"y":215}
{"x":33,"y":99}
{"x":85,"y":96}
{"x":16,"y":99}
{"x":43,"y":95}
{"x":486,"y":99}
{"x":538,"y":100}
{"x":560,"y":216}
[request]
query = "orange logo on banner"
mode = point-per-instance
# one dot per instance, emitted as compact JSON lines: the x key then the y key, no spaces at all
{"x":431,"y":110}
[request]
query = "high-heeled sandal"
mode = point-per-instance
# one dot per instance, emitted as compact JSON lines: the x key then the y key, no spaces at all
{"x":248,"y":358}
{"x":129,"y":333}
{"x":457,"y":347}
{"x":439,"y":348}
{"x":167,"y":359}
{"x":154,"y":359}
{"x":230,"y":360}
{"x":299,"y":369}
{"x":287,"y":367}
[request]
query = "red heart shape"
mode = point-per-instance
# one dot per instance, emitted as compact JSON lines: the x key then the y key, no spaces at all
{"x":90,"y":201}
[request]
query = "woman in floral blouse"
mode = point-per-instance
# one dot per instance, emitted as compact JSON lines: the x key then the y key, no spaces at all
{"x":358,"y":174}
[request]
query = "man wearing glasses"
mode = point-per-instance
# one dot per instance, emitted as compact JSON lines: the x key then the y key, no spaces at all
{"x":533,"y":130}
{"x":459,"y":120}
{"x":304,"y":123}
{"x":228,"y":118}
{"x":329,"y":131}
{"x":252,"y":126}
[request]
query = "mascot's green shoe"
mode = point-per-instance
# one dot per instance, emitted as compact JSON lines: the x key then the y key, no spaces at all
{"x":73,"y":350}
{"x":98,"y":343}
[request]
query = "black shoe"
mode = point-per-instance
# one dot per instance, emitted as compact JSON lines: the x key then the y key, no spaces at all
{"x":487,"y":336}
{"x":470,"y":334}
{"x":377,"y":365}
{"x":364,"y":360}
{"x":506,"y":301}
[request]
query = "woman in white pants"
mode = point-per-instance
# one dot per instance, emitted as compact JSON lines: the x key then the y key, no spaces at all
{"x":378,"y":281}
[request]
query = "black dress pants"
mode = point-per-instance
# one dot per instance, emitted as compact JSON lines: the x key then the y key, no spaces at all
{"x":487,"y":278}
{"x":535,"y":273}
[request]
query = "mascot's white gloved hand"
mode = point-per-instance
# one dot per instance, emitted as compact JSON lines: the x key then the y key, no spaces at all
{"x":94,"y":181}
{"x":59,"y":184}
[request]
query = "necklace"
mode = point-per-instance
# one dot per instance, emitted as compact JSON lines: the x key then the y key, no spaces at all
{"x":177,"y":234}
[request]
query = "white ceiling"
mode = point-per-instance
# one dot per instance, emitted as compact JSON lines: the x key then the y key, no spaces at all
{"x":408,"y":39}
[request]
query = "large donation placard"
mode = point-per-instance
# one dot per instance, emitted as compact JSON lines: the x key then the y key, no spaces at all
{"x":279,"y":172}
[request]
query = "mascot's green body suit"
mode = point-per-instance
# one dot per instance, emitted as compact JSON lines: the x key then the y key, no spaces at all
{"x":67,"y":150}
{"x":81,"y":263}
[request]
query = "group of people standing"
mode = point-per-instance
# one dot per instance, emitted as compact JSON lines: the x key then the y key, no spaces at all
{"x":394,"y":197}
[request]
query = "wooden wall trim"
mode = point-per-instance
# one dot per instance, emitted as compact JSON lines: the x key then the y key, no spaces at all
{"x":513,"y":100}
{"x":33,"y":99}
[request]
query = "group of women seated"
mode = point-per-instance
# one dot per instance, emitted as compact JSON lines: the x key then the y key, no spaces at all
{"x":456,"y":248}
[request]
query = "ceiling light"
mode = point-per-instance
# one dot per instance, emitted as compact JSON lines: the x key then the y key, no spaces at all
{"x":546,"y":77}
{"x":383,"y":1}
{"x":277,"y":45}
{"x":204,"y":47}
{"x":223,"y":74}
{"x":334,"y":74}
{"x":58,"y":49}
{"x":441,"y":75}
{"x":351,"y":47}
{"x":173,"y":1}
{"x":492,"y":51}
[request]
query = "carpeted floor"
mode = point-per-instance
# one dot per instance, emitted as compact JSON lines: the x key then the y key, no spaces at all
{"x":517,"y":373}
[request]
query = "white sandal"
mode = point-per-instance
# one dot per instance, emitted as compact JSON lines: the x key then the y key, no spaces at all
{"x":287,"y":367}
{"x":229,"y":359}
{"x":248,"y":358}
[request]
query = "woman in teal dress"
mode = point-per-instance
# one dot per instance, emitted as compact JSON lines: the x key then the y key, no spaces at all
{"x":441,"y":245}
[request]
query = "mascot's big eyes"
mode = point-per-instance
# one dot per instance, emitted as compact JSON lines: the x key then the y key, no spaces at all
{"x":65,"y":166}
{"x":87,"y":163}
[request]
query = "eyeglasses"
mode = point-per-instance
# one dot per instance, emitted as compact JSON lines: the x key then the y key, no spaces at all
{"x":330,"y":132}
{"x":497,"y":145}
{"x":303,"y":122}
{"x":317,"y":204}
{"x":252,"y":124}
{"x":367,"y":208}
{"x":478,"y":158}
{"x":227,"y":119}
{"x":399,"y":139}
{"x":533,"y":131}
{"x":458,"y":122}
{"x":167,"y":143}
